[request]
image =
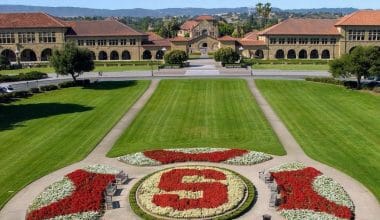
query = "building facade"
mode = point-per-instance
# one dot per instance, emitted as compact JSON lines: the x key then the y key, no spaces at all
{"x":31,"y":37}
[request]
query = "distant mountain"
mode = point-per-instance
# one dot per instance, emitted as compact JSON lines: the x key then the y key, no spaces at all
{"x":139,"y":12}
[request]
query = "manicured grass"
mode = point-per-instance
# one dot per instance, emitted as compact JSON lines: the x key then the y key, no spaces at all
{"x":336,"y":126}
{"x":291,"y":66}
{"x":52,"y":130}
{"x":199,"y":113}
{"x":97,"y":69}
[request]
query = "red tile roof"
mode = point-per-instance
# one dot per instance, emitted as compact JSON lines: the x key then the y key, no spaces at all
{"x":361,"y":18}
{"x":227,"y":38}
{"x":250,"y":39}
{"x":154,"y":40}
{"x":102,"y":28}
{"x":189,"y":25}
{"x":180,"y":39}
{"x":252,"y":35}
{"x":29,"y":20}
{"x":303,"y":27}
{"x":204,"y":18}
{"x":153,"y":36}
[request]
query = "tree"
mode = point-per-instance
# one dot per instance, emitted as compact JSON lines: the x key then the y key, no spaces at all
{"x":267,"y":9}
{"x":361,"y":62}
{"x":225,"y":29}
{"x":4,"y":62}
{"x":176,"y":57}
{"x":72,"y":60}
{"x":226,"y":56}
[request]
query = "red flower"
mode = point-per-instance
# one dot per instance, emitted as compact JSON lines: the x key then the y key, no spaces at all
{"x":214,"y":195}
{"x":166,"y":157}
{"x":88,"y":196}
{"x":297,"y":192}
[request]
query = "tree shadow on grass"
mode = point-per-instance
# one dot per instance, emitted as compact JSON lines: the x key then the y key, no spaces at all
{"x":109,"y":85}
{"x":12,"y":115}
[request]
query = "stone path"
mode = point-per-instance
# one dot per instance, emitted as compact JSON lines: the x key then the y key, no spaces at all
{"x":367,"y":207}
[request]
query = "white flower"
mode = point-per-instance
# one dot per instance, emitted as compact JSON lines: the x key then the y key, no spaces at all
{"x":287,"y":167}
{"x":79,"y":216}
{"x":102,"y":169}
{"x":138,"y":159}
{"x":53,"y":193}
{"x":304,"y":214}
{"x":333,"y":191}
{"x":250,"y":158}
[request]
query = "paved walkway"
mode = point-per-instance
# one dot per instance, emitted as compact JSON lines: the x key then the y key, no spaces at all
{"x":367,"y":207}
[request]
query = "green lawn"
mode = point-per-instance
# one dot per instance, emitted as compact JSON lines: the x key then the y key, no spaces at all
{"x":199,"y":113}
{"x":52,"y":130}
{"x":336,"y":126}
{"x":291,"y":66}
{"x":97,"y":69}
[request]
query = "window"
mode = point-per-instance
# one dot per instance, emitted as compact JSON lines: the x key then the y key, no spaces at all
{"x":273,"y":40}
{"x":356,"y":35}
{"x":303,"y":41}
{"x":374,"y":35}
{"x":80,"y":42}
{"x":26,"y":37}
{"x":123,"y":42}
{"x":324,"y":40}
{"x":314,"y":41}
{"x":281,"y":41}
{"x":90,"y":42}
{"x":7,"y":38}
{"x":333,"y":41}
{"x":132,"y":42}
{"x":102,"y":42}
{"x":47,"y":37}
{"x":292,"y":40}
{"x":113,"y":42}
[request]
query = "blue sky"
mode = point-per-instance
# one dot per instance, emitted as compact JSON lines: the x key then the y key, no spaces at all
{"x":154,"y":4}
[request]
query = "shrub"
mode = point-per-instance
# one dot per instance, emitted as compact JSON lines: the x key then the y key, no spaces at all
{"x":35,"y":75}
{"x":328,"y":80}
{"x":351,"y":84}
{"x":35,"y":90}
{"x":83,"y":82}
{"x":6,"y":97}
{"x":226,"y":56}
{"x":21,"y":94}
{"x":176,"y":57}
{"x":67,"y":84}
{"x":48,"y":88}
{"x":4,"y":62}
{"x":376,"y":89}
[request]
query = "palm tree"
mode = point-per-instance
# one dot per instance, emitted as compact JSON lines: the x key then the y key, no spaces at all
{"x":259,"y":11}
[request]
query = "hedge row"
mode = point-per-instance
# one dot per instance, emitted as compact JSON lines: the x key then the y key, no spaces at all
{"x":284,"y":61}
{"x":373,"y":85}
{"x":142,"y":62}
{"x":34,"y":75}
{"x":8,"y":97}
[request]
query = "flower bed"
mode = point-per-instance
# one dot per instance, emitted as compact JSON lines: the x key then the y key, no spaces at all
{"x":192,"y":192}
{"x":78,"y":196}
{"x":307,"y":194}
{"x":215,"y":155}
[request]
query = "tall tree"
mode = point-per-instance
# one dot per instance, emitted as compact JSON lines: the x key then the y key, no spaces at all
{"x":361,"y":62}
{"x":267,"y":9}
{"x":72,"y":60}
{"x":259,"y":12}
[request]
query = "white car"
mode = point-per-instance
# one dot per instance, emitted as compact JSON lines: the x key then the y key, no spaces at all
{"x":6,"y":89}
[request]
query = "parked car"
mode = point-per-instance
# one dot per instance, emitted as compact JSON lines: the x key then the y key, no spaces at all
{"x":6,"y":89}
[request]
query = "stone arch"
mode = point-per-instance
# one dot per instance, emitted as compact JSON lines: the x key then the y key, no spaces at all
{"x":314,"y":54}
{"x":259,"y":54}
{"x":147,"y":55}
{"x":9,"y":54}
{"x":352,"y":49}
{"x":215,"y":46}
{"x":325,"y":54}
{"x":280,"y":54}
{"x":160,"y":55}
{"x":93,"y":56}
{"x":292,"y":54}
{"x":203,"y":45}
{"x":28,"y":55}
{"x":125,"y":55}
{"x":102,"y":55}
{"x":114,"y":55}
{"x":302,"y":54}
{"x":46,"y":54}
